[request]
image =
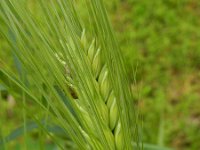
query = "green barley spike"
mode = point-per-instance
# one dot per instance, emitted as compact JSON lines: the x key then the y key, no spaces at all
{"x":107,"y":107}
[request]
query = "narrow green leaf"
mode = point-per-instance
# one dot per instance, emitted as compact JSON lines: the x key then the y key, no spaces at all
{"x":30,"y":126}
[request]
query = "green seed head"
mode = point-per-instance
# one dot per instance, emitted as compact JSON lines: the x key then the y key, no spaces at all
{"x":119,"y":137}
{"x":91,"y":50}
{"x":110,"y":138}
{"x":86,"y":117}
{"x":110,"y":100}
{"x":96,"y":64}
{"x":83,"y":39}
{"x":104,"y":84}
{"x":103,"y":110}
{"x":113,"y":115}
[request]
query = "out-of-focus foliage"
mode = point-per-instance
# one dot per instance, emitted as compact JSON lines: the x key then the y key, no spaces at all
{"x":160,"y":39}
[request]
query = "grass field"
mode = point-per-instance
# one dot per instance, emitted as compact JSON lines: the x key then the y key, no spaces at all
{"x":160,"y":41}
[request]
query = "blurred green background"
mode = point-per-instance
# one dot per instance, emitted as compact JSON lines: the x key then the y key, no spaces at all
{"x":160,"y":40}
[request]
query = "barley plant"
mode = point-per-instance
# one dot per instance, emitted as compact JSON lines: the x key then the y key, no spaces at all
{"x":72,"y":69}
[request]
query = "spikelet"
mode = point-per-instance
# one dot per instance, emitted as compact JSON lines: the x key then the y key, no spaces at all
{"x":119,"y":137}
